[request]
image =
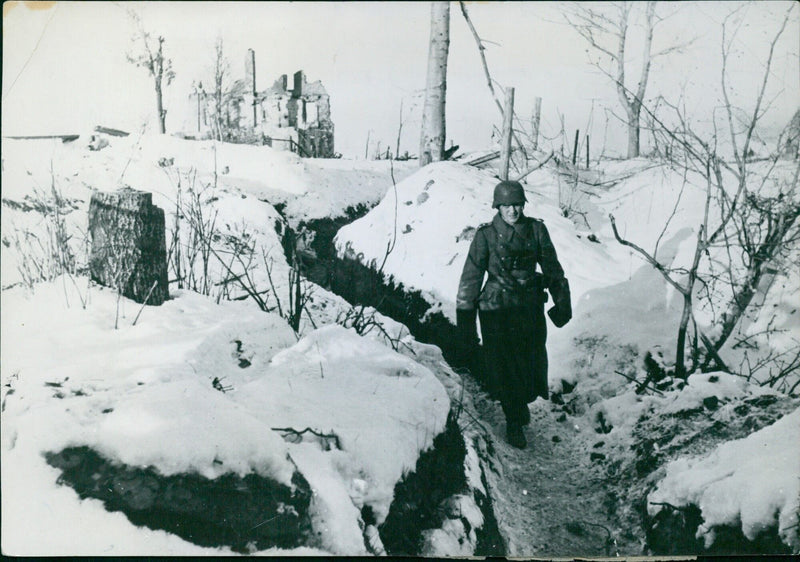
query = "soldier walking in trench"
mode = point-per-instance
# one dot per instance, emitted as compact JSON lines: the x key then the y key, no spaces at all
{"x":511,"y":306}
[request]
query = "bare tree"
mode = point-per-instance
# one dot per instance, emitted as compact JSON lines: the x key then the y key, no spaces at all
{"x":606,"y":28}
{"x":751,"y":212}
{"x":221,"y":72}
{"x":148,"y":53}
{"x":432,"y":138}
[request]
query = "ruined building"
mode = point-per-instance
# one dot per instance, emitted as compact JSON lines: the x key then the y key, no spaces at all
{"x":296,"y":119}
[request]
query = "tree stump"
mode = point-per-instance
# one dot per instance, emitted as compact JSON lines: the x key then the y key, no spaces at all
{"x":129,"y":251}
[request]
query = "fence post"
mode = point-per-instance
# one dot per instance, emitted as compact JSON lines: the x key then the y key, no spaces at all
{"x":537,"y":116}
{"x":505,"y":147}
{"x":575,"y":148}
{"x":587,"y":152}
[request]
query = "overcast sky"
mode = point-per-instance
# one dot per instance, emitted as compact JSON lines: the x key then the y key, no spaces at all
{"x":64,"y":66}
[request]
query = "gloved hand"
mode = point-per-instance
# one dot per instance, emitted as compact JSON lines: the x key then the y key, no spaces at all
{"x":561,"y":312}
{"x":560,"y":315}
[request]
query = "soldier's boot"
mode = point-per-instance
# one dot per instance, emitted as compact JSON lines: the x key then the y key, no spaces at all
{"x":526,"y":416}
{"x":515,"y":435}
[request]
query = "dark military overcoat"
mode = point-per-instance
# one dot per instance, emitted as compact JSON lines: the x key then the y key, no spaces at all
{"x":511,"y":304}
{"x":510,"y":254}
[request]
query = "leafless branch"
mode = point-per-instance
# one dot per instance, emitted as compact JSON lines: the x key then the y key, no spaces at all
{"x":481,"y":50}
{"x":648,"y":258}
{"x":299,"y":433}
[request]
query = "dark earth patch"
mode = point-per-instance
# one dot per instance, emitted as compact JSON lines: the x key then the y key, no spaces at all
{"x":419,"y":498}
{"x":246,"y":514}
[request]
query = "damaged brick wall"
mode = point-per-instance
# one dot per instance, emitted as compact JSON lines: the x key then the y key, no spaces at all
{"x":278,"y":116}
{"x":310,"y":113}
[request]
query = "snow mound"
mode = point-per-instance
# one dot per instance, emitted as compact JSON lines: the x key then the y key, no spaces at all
{"x":723,"y":386}
{"x":184,"y":426}
{"x":383,"y":407}
{"x":753,"y":482}
{"x":623,"y":411}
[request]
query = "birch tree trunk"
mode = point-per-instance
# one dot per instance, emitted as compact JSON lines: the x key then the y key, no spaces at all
{"x":432,"y":137}
{"x":635,"y":104}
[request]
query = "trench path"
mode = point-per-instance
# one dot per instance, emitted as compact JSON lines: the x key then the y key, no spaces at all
{"x":550,"y":499}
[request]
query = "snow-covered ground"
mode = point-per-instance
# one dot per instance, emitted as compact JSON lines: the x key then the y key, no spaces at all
{"x":144,"y":394}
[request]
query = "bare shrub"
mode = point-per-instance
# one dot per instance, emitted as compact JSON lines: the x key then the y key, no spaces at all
{"x":749,"y":227}
{"x":228,"y":265}
{"x":47,"y":250}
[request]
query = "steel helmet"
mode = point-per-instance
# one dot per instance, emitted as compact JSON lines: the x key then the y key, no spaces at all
{"x":508,"y":192}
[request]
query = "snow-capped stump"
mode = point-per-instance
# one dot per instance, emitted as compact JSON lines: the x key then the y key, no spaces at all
{"x":129,"y":251}
{"x":241,"y":512}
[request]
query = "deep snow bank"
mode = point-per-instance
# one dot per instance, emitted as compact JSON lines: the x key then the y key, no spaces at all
{"x":145,"y":396}
{"x":751,"y":482}
{"x":429,"y":222}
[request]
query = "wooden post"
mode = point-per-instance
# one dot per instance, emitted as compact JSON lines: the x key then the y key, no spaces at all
{"x":587,"y":152}
{"x":575,"y":148}
{"x":366,"y":148}
{"x":537,"y":116}
{"x":505,"y":146}
{"x":252,"y":66}
{"x":399,"y":130}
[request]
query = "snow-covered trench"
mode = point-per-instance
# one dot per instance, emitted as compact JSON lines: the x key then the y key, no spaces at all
{"x":598,"y":512}
{"x":362,"y":285}
{"x":463,"y":493}
{"x":444,"y":506}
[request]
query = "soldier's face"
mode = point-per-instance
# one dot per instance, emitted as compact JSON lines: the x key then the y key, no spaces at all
{"x":510,"y":213}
